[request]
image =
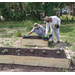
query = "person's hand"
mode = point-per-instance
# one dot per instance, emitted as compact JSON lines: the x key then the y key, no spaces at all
{"x":26,"y":35}
{"x":57,"y":26}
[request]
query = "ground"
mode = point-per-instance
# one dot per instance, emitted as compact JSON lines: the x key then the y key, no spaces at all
{"x":8,"y":39}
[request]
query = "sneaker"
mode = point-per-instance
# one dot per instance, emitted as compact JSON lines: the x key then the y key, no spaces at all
{"x":52,"y":41}
{"x":58,"y":41}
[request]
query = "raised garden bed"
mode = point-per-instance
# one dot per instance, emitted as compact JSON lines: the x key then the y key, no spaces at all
{"x":33,"y":40}
{"x":35,"y":57}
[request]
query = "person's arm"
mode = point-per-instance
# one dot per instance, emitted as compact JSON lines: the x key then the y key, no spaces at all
{"x":59,"y":21}
{"x":30,"y":32}
{"x":47,"y":28}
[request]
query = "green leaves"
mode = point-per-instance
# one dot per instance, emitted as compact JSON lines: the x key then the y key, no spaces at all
{"x":18,"y":33}
{"x":49,"y":8}
{"x":58,"y":52}
{"x":5,"y":51}
{"x":17,"y":50}
{"x":31,"y":50}
{"x":44,"y":51}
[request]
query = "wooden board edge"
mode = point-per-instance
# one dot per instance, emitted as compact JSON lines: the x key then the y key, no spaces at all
{"x":68,"y":56}
{"x":35,"y":61}
{"x":45,"y":42}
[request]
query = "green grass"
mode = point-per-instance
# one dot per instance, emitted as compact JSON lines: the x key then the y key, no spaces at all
{"x":18,"y":33}
{"x":69,"y":35}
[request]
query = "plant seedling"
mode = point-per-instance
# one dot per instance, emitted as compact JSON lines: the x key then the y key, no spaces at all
{"x":58,"y":52}
{"x":5,"y":51}
{"x":35,"y":35}
{"x":44,"y":51}
{"x":44,"y":36}
{"x":17,"y":50}
{"x":31,"y":50}
{"x":18,"y":33}
{"x":56,"y":25}
{"x":18,"y":53}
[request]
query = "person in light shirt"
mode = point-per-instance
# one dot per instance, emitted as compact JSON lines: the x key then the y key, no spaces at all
{"x":38,"y":29}
{"x":54,"y":23}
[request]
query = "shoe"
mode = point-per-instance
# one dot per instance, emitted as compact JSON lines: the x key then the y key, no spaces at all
{"x":58,"y":41}
{"x":52,"y":41}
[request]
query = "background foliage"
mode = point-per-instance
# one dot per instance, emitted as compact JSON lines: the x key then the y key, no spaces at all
{"x":18,"y":11}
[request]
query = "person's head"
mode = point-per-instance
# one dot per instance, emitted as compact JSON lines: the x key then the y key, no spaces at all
{"x":47,"y":19}
{"x":36,"y":25}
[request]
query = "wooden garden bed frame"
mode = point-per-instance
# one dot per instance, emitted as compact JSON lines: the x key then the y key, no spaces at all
{"x":38,"y":42}
{"x":37,"y":61}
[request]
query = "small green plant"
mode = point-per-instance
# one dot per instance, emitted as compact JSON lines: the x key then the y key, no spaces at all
{"x":18,"y":53}
{"x":18,"y":33}
{"x":5,"y":51}
{"x":17,"y":50}
{"x":44,"y":51}
{"x":44,"y":36}
{"x":62,"y":70}
{"x":31,"y":50}
{"x":35,"y":35}
{"x":56,"y":25}
{"x":58,"y":52}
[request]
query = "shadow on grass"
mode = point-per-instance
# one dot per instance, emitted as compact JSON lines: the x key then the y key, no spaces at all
{"x":61,"y":44}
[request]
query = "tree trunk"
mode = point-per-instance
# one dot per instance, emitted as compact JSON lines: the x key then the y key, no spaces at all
{"x":15,"y":7}
{"x":58,"y":7}
{"x":73,"y":11}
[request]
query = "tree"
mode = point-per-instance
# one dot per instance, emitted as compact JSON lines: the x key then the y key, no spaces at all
{"x":12,"y":10}
{"x":34,"y":10}
{"x":49,"y":8}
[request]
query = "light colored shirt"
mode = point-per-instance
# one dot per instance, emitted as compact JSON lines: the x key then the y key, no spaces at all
{"x":55,"y":20}
{"x":40,"y":31}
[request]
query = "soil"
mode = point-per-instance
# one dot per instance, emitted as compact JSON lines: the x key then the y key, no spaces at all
{"x":32,"y":37}
{"x":37,"y":52}
{"x":27,"y":68}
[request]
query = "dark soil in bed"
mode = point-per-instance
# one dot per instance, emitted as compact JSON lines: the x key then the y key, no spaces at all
{"x":37,"y":52}
{"x":32,"y":37}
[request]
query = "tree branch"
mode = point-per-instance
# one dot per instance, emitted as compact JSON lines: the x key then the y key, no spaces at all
{"x":58,"y":7}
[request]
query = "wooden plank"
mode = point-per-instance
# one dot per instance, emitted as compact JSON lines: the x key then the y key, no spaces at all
{"x":37,"y":42}
{"x":68,"y":56}
{"x":35,"y":61}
